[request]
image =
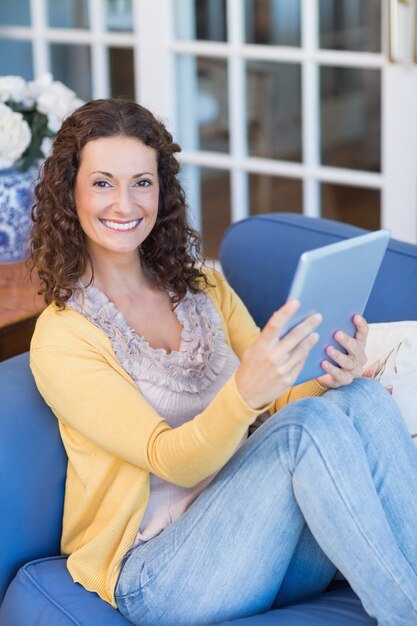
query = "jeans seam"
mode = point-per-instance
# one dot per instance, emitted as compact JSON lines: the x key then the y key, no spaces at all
{"x":131,"y":594}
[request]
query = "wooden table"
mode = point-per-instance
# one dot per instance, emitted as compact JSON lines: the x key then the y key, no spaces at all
{"x":19,"y":307}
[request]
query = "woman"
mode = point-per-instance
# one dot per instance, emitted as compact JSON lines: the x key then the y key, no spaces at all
{"x":156,"y":371}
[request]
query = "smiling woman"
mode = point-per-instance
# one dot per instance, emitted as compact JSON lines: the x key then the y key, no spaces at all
{"x":113,"y":164}
{"x":155,"y":370}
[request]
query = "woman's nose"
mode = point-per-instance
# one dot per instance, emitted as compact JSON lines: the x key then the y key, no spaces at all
{"x":123,"y":204}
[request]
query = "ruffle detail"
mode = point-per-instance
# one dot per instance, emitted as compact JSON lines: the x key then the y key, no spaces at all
{"x":202,"y":356}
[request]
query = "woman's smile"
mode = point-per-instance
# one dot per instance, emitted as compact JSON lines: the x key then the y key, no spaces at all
{"x":121,"y":227}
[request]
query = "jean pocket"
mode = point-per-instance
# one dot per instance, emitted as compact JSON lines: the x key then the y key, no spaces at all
{"x":130,"y":577}
{"x":131,"y":606}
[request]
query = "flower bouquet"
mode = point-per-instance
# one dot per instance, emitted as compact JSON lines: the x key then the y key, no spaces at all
{"x":31,"y":113}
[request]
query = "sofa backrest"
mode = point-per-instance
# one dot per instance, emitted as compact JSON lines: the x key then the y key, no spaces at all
{"x":259,"y":256}
{"x":33,"y":466}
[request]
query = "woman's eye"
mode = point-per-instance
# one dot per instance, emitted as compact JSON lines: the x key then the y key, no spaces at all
{"x":101,"y":183}
{"x":144,"y":182}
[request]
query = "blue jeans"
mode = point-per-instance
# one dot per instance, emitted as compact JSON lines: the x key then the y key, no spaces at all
{"x":325,"y":483}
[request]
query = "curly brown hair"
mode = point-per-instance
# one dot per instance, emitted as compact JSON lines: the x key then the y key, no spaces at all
{"x":58,"y":247}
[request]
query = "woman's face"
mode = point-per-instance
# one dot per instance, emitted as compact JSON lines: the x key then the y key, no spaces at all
{"x":116,"y":194}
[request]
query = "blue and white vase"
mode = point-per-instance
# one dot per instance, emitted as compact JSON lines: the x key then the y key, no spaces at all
{"x":16,"y":199}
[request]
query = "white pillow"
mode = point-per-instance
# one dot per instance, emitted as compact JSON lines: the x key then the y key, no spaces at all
{"x":392,"y":359}
{"x":385,"y":336}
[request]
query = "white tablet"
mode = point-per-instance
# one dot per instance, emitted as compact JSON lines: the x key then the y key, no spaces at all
{"x":336,"y":281}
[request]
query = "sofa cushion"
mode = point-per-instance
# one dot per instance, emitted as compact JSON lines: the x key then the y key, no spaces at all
{"x":43,"y":594}
{"x":339,"y":607}
{"x":33,"y":467}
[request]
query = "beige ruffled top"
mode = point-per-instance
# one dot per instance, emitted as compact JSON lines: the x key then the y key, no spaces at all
{"x":179,"y":384}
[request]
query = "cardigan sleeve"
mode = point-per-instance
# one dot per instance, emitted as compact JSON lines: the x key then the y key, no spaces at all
{"x":98,"y":404}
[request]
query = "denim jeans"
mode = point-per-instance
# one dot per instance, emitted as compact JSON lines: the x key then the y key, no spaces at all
{"x":326,"y":483}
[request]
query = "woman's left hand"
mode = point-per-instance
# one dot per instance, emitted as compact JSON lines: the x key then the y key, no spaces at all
{"x":350,"y":364}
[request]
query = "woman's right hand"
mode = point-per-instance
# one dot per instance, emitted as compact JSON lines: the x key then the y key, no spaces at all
{"x":271,"y":365}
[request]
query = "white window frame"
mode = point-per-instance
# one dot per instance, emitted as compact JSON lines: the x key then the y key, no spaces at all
{"x":155,"y":49}
{"x":310,"y":57}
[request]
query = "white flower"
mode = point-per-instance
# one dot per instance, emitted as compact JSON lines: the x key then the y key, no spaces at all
{"x":36,"y":87}
{"x":12,"y":88}
{"x":15,"y":136}
{"x":46,"y":146}
{"x":31,"y":112}
{"x":57,"y":101}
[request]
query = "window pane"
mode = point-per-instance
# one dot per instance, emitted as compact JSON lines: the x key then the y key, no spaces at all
{"x":189,"y":176}
{"x":14,"y":13}
{"x":273,"y":194}
{"x":119,"y":15}
{"x":202,"y":108}
{"x":350,"y":25}
{"x":273,"y":93}
{"x":207,"y":193}
{"x":68,"y":13}
{"x":360,"y":207}
{"x":351,"y":118}
{"x":66,"y":61}
{"x":276,"y":22}
{"x":215,"y":209}
{"x":200,"y":19}
{"x":16,"y":58}
{"x":122,"y":78}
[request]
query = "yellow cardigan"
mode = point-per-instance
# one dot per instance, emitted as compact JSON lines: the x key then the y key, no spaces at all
{"x":114,"y":438}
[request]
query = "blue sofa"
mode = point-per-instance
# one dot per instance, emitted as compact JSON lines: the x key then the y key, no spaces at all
{"x":258,"y":255}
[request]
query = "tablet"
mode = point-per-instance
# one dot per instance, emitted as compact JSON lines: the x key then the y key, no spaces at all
{"x":336,"y":281}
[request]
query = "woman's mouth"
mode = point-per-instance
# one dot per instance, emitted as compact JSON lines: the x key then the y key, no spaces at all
{"x":121,"y":226}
